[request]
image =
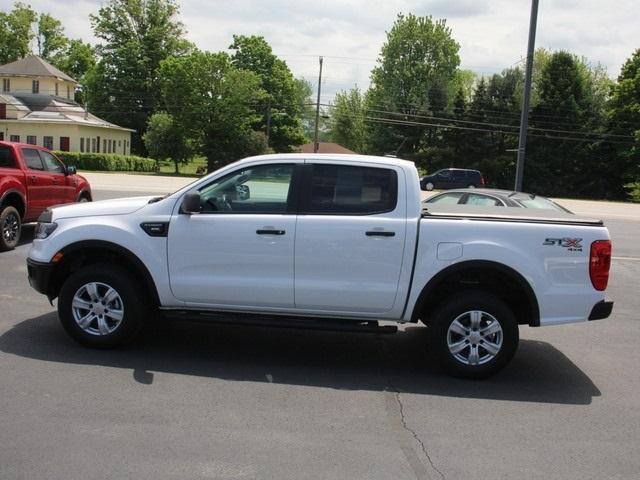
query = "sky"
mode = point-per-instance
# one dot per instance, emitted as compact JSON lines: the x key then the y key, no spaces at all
{"x":350,"y":33}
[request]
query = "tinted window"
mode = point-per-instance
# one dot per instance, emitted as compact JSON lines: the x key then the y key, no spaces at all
{"x":540,"y":202}
{"x":261,"y":189}
{"x":6,"y":157}
{"x":446,"y":199}
{"x":51,"y":163}
{"x":352,"y":190}
{"x":32,"y":158}
{"x":482,"y":200}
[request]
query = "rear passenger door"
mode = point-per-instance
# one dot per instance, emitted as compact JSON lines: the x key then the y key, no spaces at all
{"x":350,"y":238}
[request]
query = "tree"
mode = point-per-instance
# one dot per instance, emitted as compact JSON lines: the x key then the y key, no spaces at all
{"x":213,"y":104}
{"x":77,"y":59}
{"x":136,"y":35}
{"x":165,"y":141}
{"x":50,"y":37}
{"x":624,"y":120}
{"x":16,"y":33}
{"x":280,"y":113}
{"x":413,"y":78}
{"x":347,"y":120}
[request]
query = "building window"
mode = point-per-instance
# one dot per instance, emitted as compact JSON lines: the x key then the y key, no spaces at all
{"x":3,"y":110}
{"x":56,"y":89}
{"x":47,"y":142}
{"x":64,"y":144}
{"x":97,"y":144}
{"x":93,"y":145}
{"x":68,"y":92}
{"x":31,"y":140}
{"x":14,"y":138}
{"x":1,"y":136}
{"x":81,"y":144}
{"x":6,"y":85}
{"x":119,"y":143}
{"x":104,"y":146}
{"x":35,"y":86}
{"x":88,"y":143}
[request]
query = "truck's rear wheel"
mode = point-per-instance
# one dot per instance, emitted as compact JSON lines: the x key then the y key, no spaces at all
{"x":474,"y":335}
{"x":99,"y":306}
{"x":10,"y":228}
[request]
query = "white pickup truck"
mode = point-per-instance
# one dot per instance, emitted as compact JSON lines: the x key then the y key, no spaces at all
{"x":338,"y":240}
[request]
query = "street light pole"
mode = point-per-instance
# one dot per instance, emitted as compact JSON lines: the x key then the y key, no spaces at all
{"x":524,"y":115}
{"x":316,"y":145}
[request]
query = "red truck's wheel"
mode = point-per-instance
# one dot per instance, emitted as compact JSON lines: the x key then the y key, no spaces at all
{"x":10,"y":228}
{"x":474,"y":335}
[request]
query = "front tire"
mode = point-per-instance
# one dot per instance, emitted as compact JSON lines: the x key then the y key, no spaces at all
{"x":99,"y":306}
{"x":10,"y":228}
{"x":429,"y":186}
{"x":474,"y":335}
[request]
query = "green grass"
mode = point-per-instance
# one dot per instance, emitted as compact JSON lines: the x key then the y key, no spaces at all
{"x":186,"y":169}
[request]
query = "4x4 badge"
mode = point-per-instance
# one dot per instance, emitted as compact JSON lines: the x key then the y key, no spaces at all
{"x":571,"y":244}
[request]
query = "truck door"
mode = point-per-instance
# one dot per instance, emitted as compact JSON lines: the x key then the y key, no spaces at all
{"x":63,"y":186}
{"x":238,"y":251}
{"x":350,"y":237}
{"x":39,"y":183}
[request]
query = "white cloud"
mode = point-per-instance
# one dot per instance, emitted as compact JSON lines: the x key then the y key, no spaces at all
{"x":349,"y":33}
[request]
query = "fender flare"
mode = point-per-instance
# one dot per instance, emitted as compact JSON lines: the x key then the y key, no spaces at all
{"x":123,"y":252}
{"x":435,"y":281}
{"x":20,"y":194}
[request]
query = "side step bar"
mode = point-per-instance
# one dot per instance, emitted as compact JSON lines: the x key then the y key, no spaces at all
{"x":331,"y":324}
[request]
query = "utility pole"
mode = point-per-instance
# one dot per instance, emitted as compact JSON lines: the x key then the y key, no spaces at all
{"x":316,"y":145}
{"x":524,"y":116}
{"x":268,"y":120}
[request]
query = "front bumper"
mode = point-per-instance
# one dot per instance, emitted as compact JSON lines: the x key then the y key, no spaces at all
{"x":40,"y":274}
{"x":601,"y":310}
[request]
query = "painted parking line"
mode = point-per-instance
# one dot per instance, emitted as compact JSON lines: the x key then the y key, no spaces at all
{"x":627,"y":259}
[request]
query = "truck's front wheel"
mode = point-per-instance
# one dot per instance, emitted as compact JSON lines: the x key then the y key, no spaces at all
{"x":99,"y":306}
{"x":474,"y":335}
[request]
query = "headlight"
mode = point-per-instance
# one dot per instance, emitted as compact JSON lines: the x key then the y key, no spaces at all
{"x":44,"y":229}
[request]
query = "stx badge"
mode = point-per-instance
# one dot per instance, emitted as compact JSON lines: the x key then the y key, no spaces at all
{"x":571,"y":244}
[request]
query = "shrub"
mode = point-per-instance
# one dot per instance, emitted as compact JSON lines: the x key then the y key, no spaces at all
{"x":634,"y":191}
{"x":107,"y":162}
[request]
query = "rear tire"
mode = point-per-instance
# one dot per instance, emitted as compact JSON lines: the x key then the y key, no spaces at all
{"x":10,"y":228}
{"x":473,"y":335}
{"x":100,"y":306}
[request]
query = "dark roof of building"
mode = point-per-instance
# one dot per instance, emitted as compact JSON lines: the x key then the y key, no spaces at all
{"x":33,"y":66}
{"x":324,"y":147}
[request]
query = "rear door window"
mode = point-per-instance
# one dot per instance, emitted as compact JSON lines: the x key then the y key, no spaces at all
{"x":351,"y":190}
{"x":32,"y":159}
{"x":6,"y":157}
{"x":482,"y":200}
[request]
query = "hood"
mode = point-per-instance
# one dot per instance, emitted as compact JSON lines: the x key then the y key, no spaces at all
{"x":119,"y":206}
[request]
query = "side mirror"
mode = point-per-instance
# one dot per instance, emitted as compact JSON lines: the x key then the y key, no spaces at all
{"x":71,"y":170}
{"x":191,"y":203}
{"x":243,"y":192}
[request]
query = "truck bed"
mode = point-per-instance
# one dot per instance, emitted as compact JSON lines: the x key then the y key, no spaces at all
{"x":505,"y":214}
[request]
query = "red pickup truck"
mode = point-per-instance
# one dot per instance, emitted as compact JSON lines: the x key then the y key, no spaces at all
{"x":32,"y":179}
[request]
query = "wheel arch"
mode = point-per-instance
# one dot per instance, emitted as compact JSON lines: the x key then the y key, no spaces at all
{"x":87,"y":252}
{"x":84,"y":193}
{"x":492,"y":277}
{"x":14,"y":198}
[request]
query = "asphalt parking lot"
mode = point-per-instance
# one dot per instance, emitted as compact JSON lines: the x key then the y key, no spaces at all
{"x":198,"y":401}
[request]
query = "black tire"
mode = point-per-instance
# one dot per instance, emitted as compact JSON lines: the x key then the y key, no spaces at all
{"x":130,"y":302}
{"x":10,"y":228}
{"x":459,"y":307}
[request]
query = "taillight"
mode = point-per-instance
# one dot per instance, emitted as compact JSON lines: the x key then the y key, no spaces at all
{"x":599,"y":263}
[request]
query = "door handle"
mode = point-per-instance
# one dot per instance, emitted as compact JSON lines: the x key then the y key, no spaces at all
{"x":379,"y":233}
{"x":270,"y":232}
{"x":34,"y":179}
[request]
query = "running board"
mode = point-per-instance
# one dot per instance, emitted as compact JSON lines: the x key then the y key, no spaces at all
{"x":331,"y":324}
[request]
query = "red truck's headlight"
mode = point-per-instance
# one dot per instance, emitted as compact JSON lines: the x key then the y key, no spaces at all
{"x":599,"y":263}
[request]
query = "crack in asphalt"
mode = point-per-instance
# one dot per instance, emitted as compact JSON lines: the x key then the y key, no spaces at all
{"x":413,"y":433}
